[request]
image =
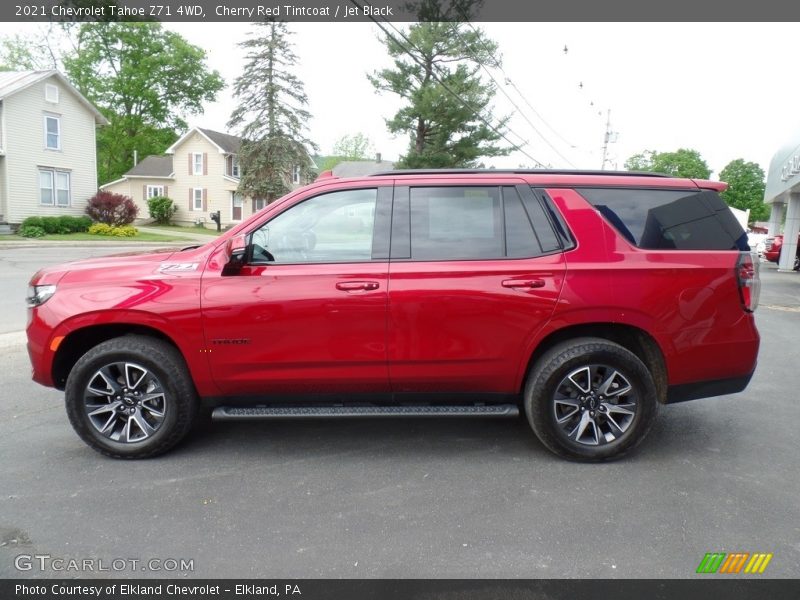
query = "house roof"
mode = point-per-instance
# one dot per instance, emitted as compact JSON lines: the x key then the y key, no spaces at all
{"x":225,"y":143}
{"x":152,"y":166}
{"x":12,"y":82}
{"x":359,"y":168}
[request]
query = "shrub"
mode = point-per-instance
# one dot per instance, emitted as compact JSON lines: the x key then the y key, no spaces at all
{"x":31,"y":231}
{"x":113,"y":230}
{"x":161,"y":209}
{"x":32,"y":221}
{"x":111,"y":209}
{"x":52,"y":225}
{"x":71,"y":224}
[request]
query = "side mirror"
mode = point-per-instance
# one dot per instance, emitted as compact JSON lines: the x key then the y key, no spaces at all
{"x":236,"y":251}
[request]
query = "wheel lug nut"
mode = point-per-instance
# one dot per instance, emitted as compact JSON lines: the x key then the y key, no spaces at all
{"x":591,"y":414}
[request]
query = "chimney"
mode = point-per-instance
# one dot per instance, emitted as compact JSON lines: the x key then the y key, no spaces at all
{"x":378,"y":157}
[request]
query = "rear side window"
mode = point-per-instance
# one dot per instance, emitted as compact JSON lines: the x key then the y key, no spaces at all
{"x":475,"y":223}
{"x":670,"y":219}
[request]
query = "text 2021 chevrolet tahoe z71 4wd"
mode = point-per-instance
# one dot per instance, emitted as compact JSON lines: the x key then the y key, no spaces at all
{"x":584,"y":300}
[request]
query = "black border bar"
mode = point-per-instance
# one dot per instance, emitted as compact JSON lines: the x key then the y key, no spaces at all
{"x":730,"y":588}
{"x":344,"y":11}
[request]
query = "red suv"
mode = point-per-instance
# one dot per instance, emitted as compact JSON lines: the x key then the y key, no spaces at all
{"x":583,"y":299}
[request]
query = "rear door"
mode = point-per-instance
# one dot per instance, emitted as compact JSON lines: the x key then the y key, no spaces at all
{"x":475,"y":272}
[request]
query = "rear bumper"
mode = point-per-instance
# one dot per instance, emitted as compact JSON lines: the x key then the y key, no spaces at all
{"x":707,"y":389}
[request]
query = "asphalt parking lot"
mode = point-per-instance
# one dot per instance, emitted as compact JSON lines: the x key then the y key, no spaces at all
{"x":399,"y":498}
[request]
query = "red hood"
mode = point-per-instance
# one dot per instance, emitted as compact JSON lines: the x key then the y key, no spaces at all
{"x":124,"y":265}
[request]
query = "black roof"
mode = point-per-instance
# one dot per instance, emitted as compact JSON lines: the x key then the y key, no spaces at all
{"x":517,"y":172}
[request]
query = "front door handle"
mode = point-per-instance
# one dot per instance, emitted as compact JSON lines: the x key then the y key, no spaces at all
{"x":352,"y":286}
{"x":523,"y":283}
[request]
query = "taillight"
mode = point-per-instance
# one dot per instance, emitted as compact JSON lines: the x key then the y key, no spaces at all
{"x":749,"y":282}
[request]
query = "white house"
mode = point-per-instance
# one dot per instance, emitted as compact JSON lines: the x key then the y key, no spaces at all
{"x":200,"y":173}
{"x":48,"y":161}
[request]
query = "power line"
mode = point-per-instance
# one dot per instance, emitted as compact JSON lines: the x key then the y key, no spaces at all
{"x":514,"y":104}
{"x":510,"y":82}
{"x":447,"y":88}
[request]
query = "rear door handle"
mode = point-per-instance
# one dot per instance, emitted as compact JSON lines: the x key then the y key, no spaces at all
{"x":352,"y":286}
{"x":523,"y":283}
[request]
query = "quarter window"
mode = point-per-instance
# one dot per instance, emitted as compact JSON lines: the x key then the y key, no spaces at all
{"x":52,"y":132}
{"x":670,"y":219}
{"x":335,"y":227}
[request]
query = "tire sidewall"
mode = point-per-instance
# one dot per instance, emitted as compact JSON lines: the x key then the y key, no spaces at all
{"x":75,"y":391}
{"x":539,"y":393}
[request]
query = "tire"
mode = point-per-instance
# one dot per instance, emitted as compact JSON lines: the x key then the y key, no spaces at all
{"x":590,"y":399}
{"x":131,"y":397}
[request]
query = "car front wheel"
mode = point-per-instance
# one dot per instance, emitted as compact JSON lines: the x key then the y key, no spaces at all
{"x":131,"y":397}
{"x":590,"y":399}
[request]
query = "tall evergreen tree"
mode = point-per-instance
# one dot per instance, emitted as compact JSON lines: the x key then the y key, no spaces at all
{"x":448,"y":107}
{"x":271,"y":115}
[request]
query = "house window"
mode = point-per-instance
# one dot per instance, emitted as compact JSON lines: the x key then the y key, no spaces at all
{"x":52,"y":132}
{"x":235,"y":166}
{"x":296,"y":174}
{"x":54,"y":187}
{"x":198,"y":199}
{"x":154,"y":191}
{"x":258,"y":204}
{"x":197,"y":161}
{"x":51,"y":93}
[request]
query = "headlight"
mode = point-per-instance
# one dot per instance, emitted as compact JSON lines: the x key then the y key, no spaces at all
{"x":39,"y":294}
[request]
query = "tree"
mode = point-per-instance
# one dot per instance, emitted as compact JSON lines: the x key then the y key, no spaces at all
{"x":681,"y":163}
{"x":447,"y":105}
{"x":745,"y":188}
{"x":145,"y":80}
{"x":350,"y":147}
{"x":271,"y":115}
{"x":18,"y":53}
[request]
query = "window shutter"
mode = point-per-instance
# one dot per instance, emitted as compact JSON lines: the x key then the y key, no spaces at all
{"x":191,"y":198}
{"x":205,"y":199}
{"x":205,"y":163}
{"x":254,"y":206}
{"x":190,"y":163}
{"x":166,"y":191}
{"x":144,"y":192}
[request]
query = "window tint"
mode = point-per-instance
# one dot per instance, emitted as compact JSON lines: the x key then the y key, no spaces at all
{"x":670,"y":219}
{"x":456,"y":223}
{"x":520,"y":239}
{"x":335,"y":227}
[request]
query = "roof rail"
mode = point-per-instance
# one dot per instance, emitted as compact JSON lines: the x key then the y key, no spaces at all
{"x":516,"y":172}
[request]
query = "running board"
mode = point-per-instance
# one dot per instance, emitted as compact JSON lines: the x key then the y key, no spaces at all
{"x":235,"y":413}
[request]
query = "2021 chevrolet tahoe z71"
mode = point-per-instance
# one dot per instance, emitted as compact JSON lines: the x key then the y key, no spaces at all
{"x":583,"y":299}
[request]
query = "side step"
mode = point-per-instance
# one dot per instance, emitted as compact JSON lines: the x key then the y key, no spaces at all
{"x":235,"y":413}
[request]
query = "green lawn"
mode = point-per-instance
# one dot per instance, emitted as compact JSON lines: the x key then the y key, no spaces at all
{"x":179,"y":229}
{"x":88,"y":237}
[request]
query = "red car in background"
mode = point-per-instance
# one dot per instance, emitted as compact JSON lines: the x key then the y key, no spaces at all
{"x":773,"y":247}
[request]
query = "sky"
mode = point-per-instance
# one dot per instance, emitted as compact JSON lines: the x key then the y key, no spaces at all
{"x":724,"y":89}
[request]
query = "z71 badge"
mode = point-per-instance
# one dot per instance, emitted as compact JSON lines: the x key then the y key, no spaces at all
{"x":178,"y":267}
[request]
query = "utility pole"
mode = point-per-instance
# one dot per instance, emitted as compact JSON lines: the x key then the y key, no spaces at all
{"x":610,"y":137}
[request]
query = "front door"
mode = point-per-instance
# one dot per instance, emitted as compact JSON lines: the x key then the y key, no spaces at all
{"x":307,"y":314}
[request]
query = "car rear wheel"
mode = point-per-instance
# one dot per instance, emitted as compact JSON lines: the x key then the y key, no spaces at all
{"x":131,"y":397}
{"x":590,"y":399}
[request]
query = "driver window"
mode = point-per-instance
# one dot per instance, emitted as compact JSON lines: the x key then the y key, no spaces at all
{"x":335,"y":227}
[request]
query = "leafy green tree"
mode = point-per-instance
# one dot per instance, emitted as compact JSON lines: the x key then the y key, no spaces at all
{"x":745,"y":188}
{"x":18,"y":53}
{"x":350,"y":147}
{"x":447,"y":105}
{"x":146,"y":80}
{"x":271,"y":115}
{"x":681,"y":163}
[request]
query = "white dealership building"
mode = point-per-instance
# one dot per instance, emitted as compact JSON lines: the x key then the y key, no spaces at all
{"x":783,"y":193}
